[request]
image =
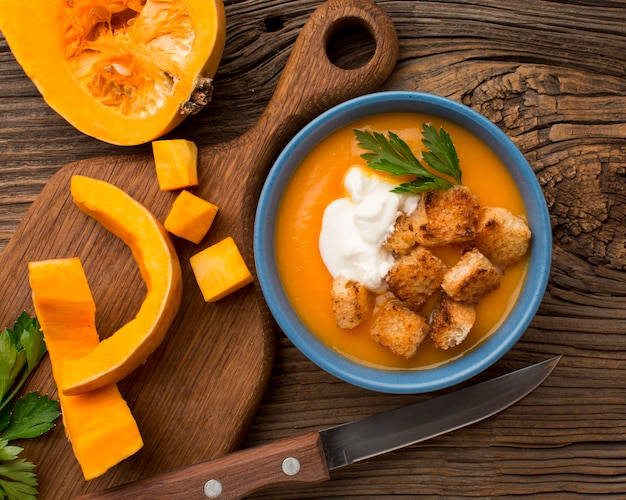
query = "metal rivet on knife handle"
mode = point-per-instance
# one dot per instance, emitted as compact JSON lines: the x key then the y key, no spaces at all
{"x":291,"y":466}
{"x":212,"y":488}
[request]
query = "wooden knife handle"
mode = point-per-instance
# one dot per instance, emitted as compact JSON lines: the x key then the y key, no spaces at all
{"x":298,"y":459}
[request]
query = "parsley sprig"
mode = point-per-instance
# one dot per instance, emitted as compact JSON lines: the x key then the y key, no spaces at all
{"x":21,"y":350}
{"x":394,"y":156}
{"x":17,"y":479}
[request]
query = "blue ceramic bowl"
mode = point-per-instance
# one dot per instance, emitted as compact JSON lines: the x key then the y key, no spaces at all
{"x":419,"y":380}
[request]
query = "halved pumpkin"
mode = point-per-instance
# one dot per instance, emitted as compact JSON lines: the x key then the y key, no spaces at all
{"x":99,"y":424}
{"x":122,"y":71}
{"x":129,"y":347}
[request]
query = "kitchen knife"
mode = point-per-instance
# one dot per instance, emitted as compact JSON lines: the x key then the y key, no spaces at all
{"x":308,"y":458}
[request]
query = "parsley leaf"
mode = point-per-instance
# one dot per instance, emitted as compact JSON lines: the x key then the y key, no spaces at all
{"x":10,"y":363}
{"x":32,"y":416}
{"x":393,"y":155}
{"x":21,"y":350}
{"x":441,"y":154}
{"x":17,"y":479}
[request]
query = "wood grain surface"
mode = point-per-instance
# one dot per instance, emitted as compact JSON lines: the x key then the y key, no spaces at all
{"x":552,"y":75}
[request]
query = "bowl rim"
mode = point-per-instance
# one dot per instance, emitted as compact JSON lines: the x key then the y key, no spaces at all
{"x":388,"y":380}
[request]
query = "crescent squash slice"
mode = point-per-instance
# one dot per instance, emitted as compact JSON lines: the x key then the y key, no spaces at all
{"x":122,"y":71}
{"x":98,"y":424}
{"x":129,"y":347}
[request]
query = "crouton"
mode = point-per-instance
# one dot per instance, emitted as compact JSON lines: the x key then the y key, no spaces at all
{"x":415,"y":277}
{"x":399,"y":329}
{"x":471,"y":277}
{"x":446,"y":216}
{"x":451,"y":322}
{"x":352,"y":302}
{"x":402,"y":239}
{"x":503,"y":237}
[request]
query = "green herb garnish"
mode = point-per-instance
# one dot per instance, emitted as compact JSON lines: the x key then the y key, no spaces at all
{"x":32,"y":416}
{"x":17,"y":479}
{"x":392,"y":155}
{"x":21,"y":349}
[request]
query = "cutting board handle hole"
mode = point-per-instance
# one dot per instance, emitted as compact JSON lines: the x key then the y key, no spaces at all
{"x":350,"y":44}
{"x":273,"y":24}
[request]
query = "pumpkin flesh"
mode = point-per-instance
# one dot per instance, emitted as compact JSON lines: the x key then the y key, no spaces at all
{"x":129,"y":347}
{"x":220,"y":270}
{"x":124,"y":71}
{"x":191,"y":217}
{"x":99,"y":424}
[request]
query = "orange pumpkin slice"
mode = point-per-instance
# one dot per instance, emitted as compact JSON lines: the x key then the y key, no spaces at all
{"x":124,"y":72}
{"x":98,"y":424}
{"x":129,"y":347}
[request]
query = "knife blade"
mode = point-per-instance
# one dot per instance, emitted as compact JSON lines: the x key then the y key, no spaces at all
{"x":308,"y":458}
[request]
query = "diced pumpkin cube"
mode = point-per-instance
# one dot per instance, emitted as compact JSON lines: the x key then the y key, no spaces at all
{"x":190,"y":217}
{"x":176,"y":163}
{"x":220,"y":270}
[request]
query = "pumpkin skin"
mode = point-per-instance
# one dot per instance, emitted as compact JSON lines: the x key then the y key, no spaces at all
{"x":126,"y":349}
{"x":126,"y":71}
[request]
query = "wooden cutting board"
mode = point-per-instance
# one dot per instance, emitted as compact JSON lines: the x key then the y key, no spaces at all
{"x":195,"y":396}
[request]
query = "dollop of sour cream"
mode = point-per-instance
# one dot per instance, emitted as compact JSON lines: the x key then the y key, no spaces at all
{"x":354,"y":228}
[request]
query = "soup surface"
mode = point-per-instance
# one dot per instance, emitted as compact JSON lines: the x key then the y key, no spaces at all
{"x":319,"y":180}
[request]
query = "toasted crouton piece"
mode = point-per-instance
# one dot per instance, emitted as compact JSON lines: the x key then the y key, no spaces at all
{"x":352,"y":302}
{"x":446,"y":216}
{"x":451,"y":322}
{"x":471,"y":277}
{"x":402,"y":239}
{"x":399,"y":329}
{"x":502,"y":236}
{"x":415,"y":277}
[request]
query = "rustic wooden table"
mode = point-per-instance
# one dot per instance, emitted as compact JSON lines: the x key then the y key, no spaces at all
{"x":552,"y":75}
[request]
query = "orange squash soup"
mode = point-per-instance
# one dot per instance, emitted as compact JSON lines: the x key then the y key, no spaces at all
{"x":319,"y":180}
